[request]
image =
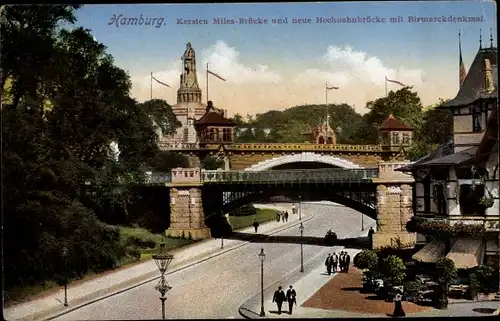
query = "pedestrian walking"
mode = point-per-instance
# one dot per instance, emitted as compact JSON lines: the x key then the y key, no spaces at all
{"x":398,"y":306}
{"x":328,"y":264}
{"x":370,"y":236}
{"x":335,"y":260}
{"x":286,"y":216}
{"x":294,"y":209}
{"x":291,"y":297}
{"x":342,"y":261}
{"x":347,"y":262}
{"x":255,"y":225}
{"x":277,"y":216}
{"x":279,"y":297}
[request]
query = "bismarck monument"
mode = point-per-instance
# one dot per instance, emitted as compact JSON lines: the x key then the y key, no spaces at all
{"x":189,"y":106}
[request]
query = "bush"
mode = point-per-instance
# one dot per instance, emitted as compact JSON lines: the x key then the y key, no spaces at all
{"x":393,"y":270}
{"x":487,"y":278}
{"x":411,"y":289}
{"x":471,"y":293}
{"x":245,"y":210}
{"x":366,"y":259}
{"x":442,"y":229}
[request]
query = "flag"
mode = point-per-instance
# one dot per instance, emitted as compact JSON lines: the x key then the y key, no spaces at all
{"x":213,"y":73}
{"x":332,"y":87}
{"x":395,"y":81}
{"x":462,"y":72}
{"x":160,"y":82}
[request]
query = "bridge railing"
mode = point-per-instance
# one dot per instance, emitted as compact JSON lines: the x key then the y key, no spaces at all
{"x":291,"y":176}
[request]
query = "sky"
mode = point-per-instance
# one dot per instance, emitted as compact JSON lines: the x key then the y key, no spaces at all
{"x":281,"y":65}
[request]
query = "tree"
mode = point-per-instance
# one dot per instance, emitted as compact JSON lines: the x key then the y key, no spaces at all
{"x":212,"y":163}
{"x":393,"y":270}
{"x":487,"y":278}
{"x":165,"y":161}
{"x":446,"y":274}
{"x":366,"y":259}
{"x":404,"y":104}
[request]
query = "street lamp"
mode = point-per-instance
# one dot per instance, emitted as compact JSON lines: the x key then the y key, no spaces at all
{"x":65,"y":256}
{"x":163,"y":260}
{"x":300,"y":209}
{"x":362,"y":222}
{"x":262,"y":257}
{"x":301,"y":228}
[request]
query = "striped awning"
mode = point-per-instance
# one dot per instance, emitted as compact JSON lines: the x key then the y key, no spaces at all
{"x":431,"y":252}
{"x":466,"y":253}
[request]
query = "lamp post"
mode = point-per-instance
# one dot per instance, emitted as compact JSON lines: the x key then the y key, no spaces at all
{"x":262,"y":257}
{"x":301,"y":228}
{"x":300,"y":209}
{"x":362,"y":222}
{"x":65,"y":256}
{"x":163,"y":260}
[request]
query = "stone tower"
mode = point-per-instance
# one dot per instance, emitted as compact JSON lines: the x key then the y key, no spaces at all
{"x":189,"y":106}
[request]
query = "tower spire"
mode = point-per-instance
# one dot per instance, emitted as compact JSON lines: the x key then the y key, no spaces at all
{"x":480,"y":40}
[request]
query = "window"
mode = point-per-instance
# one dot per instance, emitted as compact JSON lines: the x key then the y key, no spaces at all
{"x":321,"y":140}
{"x":477,"y":119}
{"x":406,"y":138}
{"x":427,"y":195}
{"x":211,"y":134}
{"x":469,"y":199}
{"x":329,"y":140}
{"x":395,"y":138}
{"x":226,"y":134}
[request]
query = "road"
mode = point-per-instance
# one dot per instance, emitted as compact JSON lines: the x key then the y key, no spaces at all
{"x":216,"y":288}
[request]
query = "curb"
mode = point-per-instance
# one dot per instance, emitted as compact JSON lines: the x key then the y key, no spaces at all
{"x":56,"y":315}
{"x":242,"y":307}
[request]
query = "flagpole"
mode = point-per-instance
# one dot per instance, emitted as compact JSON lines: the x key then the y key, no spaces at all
{"x":151,"y":86}
{"x":326,"y":93}
{"x":207,"y":83}
{"x":385,"y":86}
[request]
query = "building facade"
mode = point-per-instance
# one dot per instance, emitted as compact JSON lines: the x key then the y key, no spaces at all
{"x":457,"y":184}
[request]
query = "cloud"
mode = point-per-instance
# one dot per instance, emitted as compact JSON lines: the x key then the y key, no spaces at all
{"x":225,"y":61}
{"x":343,"y":66}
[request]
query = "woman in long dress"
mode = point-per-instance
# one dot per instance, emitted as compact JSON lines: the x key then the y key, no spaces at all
{"x":398,"y":306}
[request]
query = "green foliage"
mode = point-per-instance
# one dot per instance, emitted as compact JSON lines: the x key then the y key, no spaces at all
{"x":412,"y":288}
{"x":366,"y":259}
{"x":212,"y":163}
{"x":393,"y":270}
{"x":443,"y":229}
{"x":244,"y":210}
{"x":473,"y":288}
{"x":486,"y":201}
{"x":165,"y":161}
{"x":64,"y":104}
{"x":446,"y":273}
{"x":487,"y":278}
{"x":263,"y":215}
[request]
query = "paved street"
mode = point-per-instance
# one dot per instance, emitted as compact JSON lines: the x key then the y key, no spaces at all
{"x":216,"y":288}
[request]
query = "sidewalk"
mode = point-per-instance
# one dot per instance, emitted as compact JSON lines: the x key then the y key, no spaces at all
{"x":99,"y":288}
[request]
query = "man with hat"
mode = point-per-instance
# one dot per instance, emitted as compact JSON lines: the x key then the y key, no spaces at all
{"x":279,"y":297}
{"x":291,"y":298}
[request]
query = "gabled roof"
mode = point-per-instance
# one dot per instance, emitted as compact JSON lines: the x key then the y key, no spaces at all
{"x":473,"y":87}
{"x":441,"y":151}
{"x":214,"y":117}
{"x":391,"y":123}
{"x":453,"y":159}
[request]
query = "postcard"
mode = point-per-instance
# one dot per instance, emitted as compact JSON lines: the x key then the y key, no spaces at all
{"x":250,"y":160}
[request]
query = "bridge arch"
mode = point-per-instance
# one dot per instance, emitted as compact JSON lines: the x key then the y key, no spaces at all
{"x":365,"y":206}
{"x":301,"y":158}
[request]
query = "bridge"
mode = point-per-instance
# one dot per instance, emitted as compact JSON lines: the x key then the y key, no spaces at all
{"x":196,"y":194}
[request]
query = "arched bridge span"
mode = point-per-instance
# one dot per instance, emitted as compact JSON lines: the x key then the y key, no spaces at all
{"x":305,"y":157}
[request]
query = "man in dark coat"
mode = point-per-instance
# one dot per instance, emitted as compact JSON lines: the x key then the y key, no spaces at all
{"x":291,"y":297}
{"x":286,"y":216}
{"x":328,"y":264}
{"x":341,"y":261}
{"x":255,"y":225}
{"x":279,"y":297}
{"x":347,"y":262}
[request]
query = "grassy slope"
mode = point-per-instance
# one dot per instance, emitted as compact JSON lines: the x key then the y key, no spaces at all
{"x":263,"y":215}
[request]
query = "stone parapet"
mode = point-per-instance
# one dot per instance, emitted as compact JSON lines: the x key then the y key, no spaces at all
{"x":393,"y":239}
{"x":194,"y":234}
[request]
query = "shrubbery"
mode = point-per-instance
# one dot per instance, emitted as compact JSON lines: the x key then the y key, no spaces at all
{"x":487,"y":278}
{"x":245,"y":210}
{"x":366,"y":259}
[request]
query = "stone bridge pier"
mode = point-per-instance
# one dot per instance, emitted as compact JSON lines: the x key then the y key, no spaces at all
{"x":187,"y":217}
{"x":394,"y":206}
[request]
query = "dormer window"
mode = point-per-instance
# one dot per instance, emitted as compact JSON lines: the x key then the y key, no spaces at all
{"x":406,"y":138}
{"x":395,"y":138}
{"x":477,"y":119}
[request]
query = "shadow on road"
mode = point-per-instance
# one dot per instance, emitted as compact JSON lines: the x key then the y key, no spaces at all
{"x":354,"y":243}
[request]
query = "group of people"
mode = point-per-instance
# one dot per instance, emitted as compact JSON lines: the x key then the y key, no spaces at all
{"x":280,"y":297}
{"x":341,"y":262}
{"x":282,"y":216}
